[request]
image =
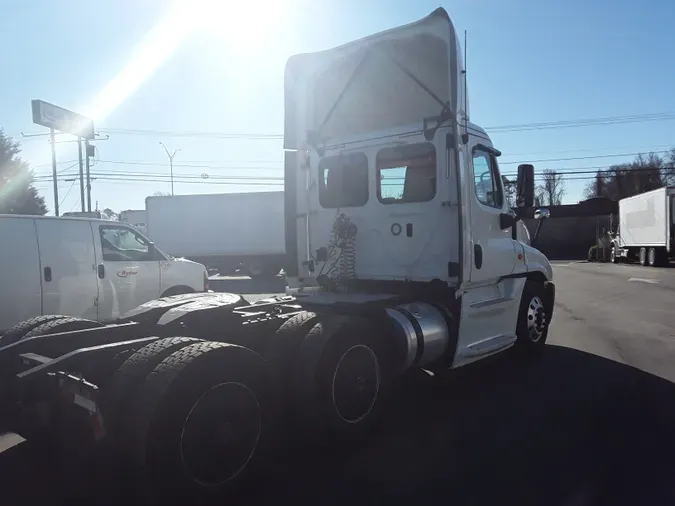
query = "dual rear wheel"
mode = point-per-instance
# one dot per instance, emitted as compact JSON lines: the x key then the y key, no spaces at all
{"x":193,"y":421}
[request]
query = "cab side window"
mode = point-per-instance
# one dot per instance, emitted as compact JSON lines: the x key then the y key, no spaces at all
{"x":343,"y":181}
{"x":406,"y":174}
{"x":121,"y":244}
{"x":486,"y":179}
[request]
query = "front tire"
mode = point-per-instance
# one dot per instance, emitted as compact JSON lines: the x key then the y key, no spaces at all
{"x":533,"y":318}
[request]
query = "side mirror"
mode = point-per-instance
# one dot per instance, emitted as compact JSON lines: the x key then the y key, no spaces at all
{"x":525,"y":186}
{"x":542,"y":214}
{"x":507,"y":220}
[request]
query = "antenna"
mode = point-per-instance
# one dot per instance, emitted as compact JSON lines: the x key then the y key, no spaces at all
{"x":465,"y":137}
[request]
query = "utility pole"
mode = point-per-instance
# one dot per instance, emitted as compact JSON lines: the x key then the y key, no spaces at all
{"x":89,"y":152}
{"x":52,"y":140}
{"x":171,"y":156}
{"x":79,"y":157}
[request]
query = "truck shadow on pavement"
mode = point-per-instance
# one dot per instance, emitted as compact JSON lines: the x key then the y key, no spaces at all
{"x":568,"y":429}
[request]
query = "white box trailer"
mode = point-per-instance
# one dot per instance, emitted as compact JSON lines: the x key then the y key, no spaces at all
{"x":136,"y":218}
{"x":645,"y":230}
{"x":225,"y":232}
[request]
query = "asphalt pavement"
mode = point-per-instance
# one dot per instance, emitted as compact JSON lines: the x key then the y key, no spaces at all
{"x":591,"y":421}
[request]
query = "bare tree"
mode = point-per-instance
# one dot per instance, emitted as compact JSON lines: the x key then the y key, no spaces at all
{"x":552,"y":189}
{"x":509,"y":191}
{"x":643,"y":174}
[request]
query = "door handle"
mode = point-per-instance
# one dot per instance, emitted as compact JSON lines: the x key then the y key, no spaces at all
{"x":101,"y":271}
{"x":48,"y":274}
{"x":478,"y":256}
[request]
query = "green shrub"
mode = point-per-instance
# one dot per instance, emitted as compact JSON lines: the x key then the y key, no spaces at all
{"x":593,"y":253}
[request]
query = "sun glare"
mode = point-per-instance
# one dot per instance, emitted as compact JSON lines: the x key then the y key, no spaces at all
{"x":241,"y":25}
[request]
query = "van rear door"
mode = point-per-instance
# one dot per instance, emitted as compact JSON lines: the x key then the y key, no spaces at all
{"x":69,"y":284}
{"x":20,"y":292}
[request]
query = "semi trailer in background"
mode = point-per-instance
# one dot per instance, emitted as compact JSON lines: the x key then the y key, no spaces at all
{"x":646,"y":228}
{"x":136,"y":218}
{"x":226,"y":231}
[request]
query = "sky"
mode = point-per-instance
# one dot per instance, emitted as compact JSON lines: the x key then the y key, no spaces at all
{"x":205,"y":77}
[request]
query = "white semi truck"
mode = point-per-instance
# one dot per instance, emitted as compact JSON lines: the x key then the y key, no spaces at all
{"x":404,"y":256}
{"x":646,"y":229}
{"x":225,"y":231}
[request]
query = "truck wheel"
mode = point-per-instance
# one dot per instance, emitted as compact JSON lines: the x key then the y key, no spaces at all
{"x":533,"y":317}
{"x":613,"y":256}
{"x":643,"y":256}
{"x":344,"y":371}
{"x":131,"y":374}
{"x":18,"y":331}
{"x":282,"y":348}
{"x":653,"y":257}
{"x":177,"y":290}
{"x":197,"y":429}
{"x":62,"y":325}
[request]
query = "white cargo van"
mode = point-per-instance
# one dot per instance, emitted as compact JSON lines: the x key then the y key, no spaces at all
{"x":95,"y":269}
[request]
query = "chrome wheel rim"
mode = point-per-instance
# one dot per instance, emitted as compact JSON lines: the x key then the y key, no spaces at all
{"x":536,"y":319}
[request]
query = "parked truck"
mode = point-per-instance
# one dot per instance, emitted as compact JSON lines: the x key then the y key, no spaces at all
{"x":226,"y":232}
{"x":82,"y":267}
{"x":646,"y":230}
{"x":405,"y":256}
{"x":137,"y":218}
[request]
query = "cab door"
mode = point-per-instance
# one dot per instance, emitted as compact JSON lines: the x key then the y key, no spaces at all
{"x":490,"y":297}
{"x":128,"y":270}
{"x":494,"y":250}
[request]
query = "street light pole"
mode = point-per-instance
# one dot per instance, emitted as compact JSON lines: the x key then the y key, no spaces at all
{"x":171,"y":156}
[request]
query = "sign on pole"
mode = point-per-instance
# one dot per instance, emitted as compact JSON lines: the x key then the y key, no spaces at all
{"x":63,"y":120}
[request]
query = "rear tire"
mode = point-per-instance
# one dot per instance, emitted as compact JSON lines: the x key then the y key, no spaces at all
{"x":344,"y":373}
{"x":131,"y":374}
{"x":643,"y":256}
{"x":198,"y":428}
{"x":281,"y":351}
{"x":652,"y":256}
{"x":177,"y":290}
{"x":62,"y":325}
{"x":18,"y":331}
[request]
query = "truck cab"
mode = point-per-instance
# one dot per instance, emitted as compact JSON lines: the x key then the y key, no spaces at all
{"x":391,"y":190}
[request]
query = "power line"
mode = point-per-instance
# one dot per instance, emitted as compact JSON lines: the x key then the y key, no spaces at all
{"x":68,"y":192}
{"x":590,"y":157}
{"x":545,"y":125}
{"x":173,"y":133}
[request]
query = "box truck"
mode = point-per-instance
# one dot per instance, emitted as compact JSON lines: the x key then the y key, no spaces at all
{"x":226,"y":232}
{"x":646,"y":228}
{"x":136,"y":218}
